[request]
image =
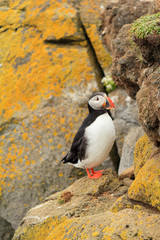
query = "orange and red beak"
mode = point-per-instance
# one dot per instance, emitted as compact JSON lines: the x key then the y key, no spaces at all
{"x":111,"y":104}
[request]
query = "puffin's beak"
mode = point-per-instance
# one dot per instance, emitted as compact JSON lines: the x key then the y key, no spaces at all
{"x":111,"y":104}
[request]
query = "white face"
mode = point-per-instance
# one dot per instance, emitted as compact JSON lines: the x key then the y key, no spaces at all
{"x":98,"y":102}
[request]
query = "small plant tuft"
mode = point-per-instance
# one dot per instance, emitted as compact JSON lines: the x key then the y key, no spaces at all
{"x":108,"y":83}
{"x":145,"y":25}
{"x":65,"y":197}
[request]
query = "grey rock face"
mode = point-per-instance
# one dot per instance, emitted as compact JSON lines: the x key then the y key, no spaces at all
{"x":125,"y":115}
{"x":127,"y":158}
{"x":6,"y":230}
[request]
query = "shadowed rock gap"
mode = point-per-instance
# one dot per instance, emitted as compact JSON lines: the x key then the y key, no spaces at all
{"x":93,"y":57}
{"x":63,"y":41}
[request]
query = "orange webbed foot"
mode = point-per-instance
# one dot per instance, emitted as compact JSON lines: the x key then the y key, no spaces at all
{"x":94,"y":175}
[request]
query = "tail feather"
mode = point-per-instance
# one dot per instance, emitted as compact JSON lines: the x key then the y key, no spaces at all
{"x":64,"y":160}
{"x":70,"y":158}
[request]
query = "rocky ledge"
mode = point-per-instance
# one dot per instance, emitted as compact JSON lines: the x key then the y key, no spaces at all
{"x":91,"y":209}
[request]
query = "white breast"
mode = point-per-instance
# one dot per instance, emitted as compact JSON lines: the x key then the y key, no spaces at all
{"x":100,"y":138}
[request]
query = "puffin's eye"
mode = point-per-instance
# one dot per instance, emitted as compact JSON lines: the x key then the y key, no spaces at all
{"x":97,"y":98}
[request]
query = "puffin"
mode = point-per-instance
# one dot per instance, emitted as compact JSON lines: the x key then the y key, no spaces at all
{"x":95,"y":137}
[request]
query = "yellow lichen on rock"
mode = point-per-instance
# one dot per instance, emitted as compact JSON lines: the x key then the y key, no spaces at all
{"x":10,"y":19}
{"x":103,"y":56}
{"x":128,"y":224}
{"x":90,"y":17}
{"x":146,"y":186}
{"x":44,"y":70}
{"x":60,"y":20}
{"x":86,"y":214}
{"x":143,"y":151}
{"x":46,"y":77}
{"x":55,"y":229}
{"x":32,"y":74}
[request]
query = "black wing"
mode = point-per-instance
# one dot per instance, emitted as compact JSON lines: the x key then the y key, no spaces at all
{"x":78,"y":148}
{"x":79,"y":144}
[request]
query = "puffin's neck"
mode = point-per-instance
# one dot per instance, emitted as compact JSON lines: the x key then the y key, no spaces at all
{"x":96,"y":112}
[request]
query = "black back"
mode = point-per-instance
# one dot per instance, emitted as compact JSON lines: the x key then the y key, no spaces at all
{"x":79,"y":144}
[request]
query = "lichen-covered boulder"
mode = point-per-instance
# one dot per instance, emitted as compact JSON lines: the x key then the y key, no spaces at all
{"x":146,"y":186}
{"x":46,"y":77}
{"x":98,"y":210}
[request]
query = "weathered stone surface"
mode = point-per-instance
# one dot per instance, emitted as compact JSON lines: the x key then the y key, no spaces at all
{"x":57,"y":16}
{"x":126,"y":66}
{"x":125,"y":115}
{"x":147,"y":38}
{"x":6,"y":231}
{"x":90,"y":212}
{"x":128,"y":181}
{"x":135,"y":68}
{"x":143,"y":152}
{"x":130,"y":72}
{"x":118,"y":13}
{"x":37,"y":124}
{"x":4,"y":3}
{"x":146,"y":186}
{"x":90,"y":17}
{"x":136,"y":74}
{"x":148,"y":99}
{"x":46,"y":77}
{"x":128,"y":173}
{"x":127,"y":158}
{"x":157,"y":6}
{"x":45,"y":70}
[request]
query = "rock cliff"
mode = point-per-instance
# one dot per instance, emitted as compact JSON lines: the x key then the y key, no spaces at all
{"x":50,"y":60}
{"x":136,"y":59}
{"x":135,"y":67}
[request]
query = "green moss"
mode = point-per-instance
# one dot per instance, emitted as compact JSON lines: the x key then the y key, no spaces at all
{"x":148,"y":24}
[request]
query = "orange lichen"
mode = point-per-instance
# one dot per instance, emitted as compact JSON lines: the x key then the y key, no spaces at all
{"x":143,"y":151}
{"x":62,"y":120}
{"x":32,"y":72}
{"x":103,"y":56}
{"x":25,"y":136}
{"x":146,"y":187}
{"x":90,"y":12}
{"x":11,"y":18}
{"x":29,"y":61}
{"x":40,"y":79}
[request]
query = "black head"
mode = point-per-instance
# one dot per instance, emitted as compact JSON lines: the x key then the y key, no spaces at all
{"x":99,"y":101}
